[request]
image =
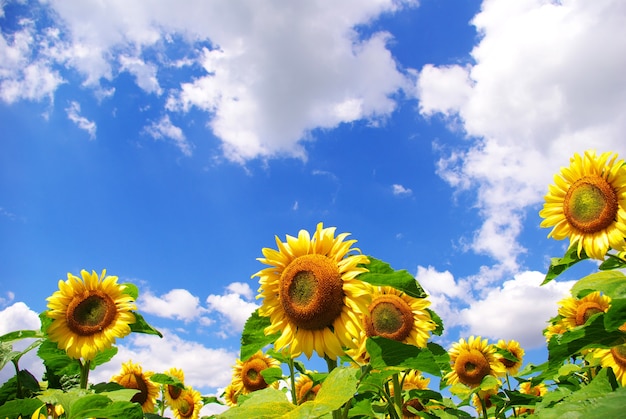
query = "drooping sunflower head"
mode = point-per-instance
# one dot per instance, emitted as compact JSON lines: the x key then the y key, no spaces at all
{"x":473,"y":360}
{"x":311,"y":294}
{"x":173,"y":393}
{"x":189,"y":404}
{"x":575,"y":312}
{"x":587,"y":203}
{"x":615,"y":358}
{"x":231,"y":393}
{"x":89,"y":313}
{"x":305,"y":390}
{"x":514,"y":348}
{"x":132,"y":376}
{"x":247,"y":374}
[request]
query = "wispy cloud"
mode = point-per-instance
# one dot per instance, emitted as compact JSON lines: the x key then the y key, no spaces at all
{"x":400,"y":190}
{"x":164,"y":128}
{"x":73,"y":114}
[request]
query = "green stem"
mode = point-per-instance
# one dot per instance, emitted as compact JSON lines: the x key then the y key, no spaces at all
{"x":483,"y":404}
{"x":84,"y":373}
{"x":17,"y":378}
{"x":292,"y":378}
{"x":397,"y":394}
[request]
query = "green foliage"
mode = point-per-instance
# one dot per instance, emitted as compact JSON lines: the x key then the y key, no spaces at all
{"x":253,"y":337}
{"x":382,"y":274}
{"x":560,"y":265}
{"x":389,"y":353}
{"x":142,"y":326}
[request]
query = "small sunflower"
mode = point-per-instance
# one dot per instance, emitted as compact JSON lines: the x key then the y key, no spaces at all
{"x":190,"y":403}
{"x":556,"y":328}
{"x":516,"y":350}
{"x":311,"y":294}
{"x":132,"y":376}
{"x":588,"y":204}
{"x":539,"y":390}
{"x":615,"y":358}
{"x":575,"y":312}
{"x":247,"y":374}
{"x":305,"y":390}
{"x":473,"y":360}
{"x":231,"y":393}
{"x":89,"y":314}
{"x":173,"y":393}
{"x":483,"y":397}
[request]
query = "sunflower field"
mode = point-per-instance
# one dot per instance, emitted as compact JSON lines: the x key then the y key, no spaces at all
{"x":323,"y":299}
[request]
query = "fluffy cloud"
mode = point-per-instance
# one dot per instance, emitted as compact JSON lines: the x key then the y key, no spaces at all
{"x":546,"y":82}
{"x":73,"y":114}
{"x":177,"y":304}
{"x":165,"y":129}
{"x":232,"y":308}
{"x":401,"y":190}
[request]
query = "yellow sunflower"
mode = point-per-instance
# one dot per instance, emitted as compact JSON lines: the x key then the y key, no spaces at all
{"x":575,"y":312}
{"x":556,"y":328}
{"x":173,"y":393}
{"x":311,"y":294}
{"x":89,"y":314}
{"x":231,"y":393}
{"x":132,"y":376}
{"x":588,"y":204}
{"x":483,"y":397}
{"x":615,"y":358}
{"x":189,"y":404}
{"x":305,"y":390}
{"x":516,"y":350}
{"x":247,"y":374}
{"x":539,"y":390}
{"x":473,"y":360}
{"x":412,"y":380}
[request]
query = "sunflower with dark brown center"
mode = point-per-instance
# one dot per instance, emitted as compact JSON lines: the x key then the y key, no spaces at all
{"x":190,"y":404}
{"x":173,"y":392}
{"x":311,"y":294}
{"x":247,"y":374}
{"x":89,"y":314}
{"x":132,"y":376}
{"x":588,"y":204}
{"x":514,"y":348}
{"x":473,"y":360}
{"x":615,"y":358}
{"x":576,"y":311}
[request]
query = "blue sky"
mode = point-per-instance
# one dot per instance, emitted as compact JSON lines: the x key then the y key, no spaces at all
{"x":169,"y":144}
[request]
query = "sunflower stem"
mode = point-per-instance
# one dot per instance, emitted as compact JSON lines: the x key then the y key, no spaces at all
{"x":397,"y":394}
{"x":292,"y":378}
{"x":84,"y":373}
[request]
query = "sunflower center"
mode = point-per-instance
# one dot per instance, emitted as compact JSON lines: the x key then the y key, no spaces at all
{"x":590,"y":204}
{"x":390,"y":317}
{"x":251,"y":374}
{"x":311,"y":291}
{"x":90,"y":313}
{"x":142,"y":386}
{"x":586,"y":310}
{"x":619,"y":355}
{"x":186,"y":408}
{"x":174,"y":391}
{"x":472,"y":367}
{"x":415,"y":404}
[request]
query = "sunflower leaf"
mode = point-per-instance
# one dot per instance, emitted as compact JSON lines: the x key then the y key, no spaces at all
{"x":271,"y":375}
{"x":103,"y":357}
{"x":142,"y":326}
{"x":20,"y":408}
{"x":611,"y":283}
{"x":130,"y":290}
{"x":389,"y":353}
{"x":382,"y":274}
{"x":253,"y":337}
{"x":560,"y":265}
{"x":167,"y":379}
{"x":267,"y":403}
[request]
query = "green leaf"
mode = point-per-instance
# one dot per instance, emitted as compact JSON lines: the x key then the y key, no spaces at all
{"x":271,"y":375}
{"x":23,"y":408}
{"x":263,"y":404}
{"x":381,"y":274}
{"x":142,"y":326}
{"x":611,"y":283}
{"x":435,"y":318}
{"x":253,"y":337}
{"x":612,"y":262}
{"x":96,"y":405}
{"x":21,"y":334}
{"x":389,"y":353}
{"x":130,"y":290}
{"x":615,"y":317}
{"x":560,"y":265}
{"x":103,"y":357}
{"x":57,"y":363}
{"x":167,"y":379}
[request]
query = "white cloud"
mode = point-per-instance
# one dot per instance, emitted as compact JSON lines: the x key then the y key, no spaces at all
{"x":444,"y":292}
{"x":165,"y":129}
{"x":241,"y":288}
{"x":519,"y":309}
{"x":232,"y":308}
{"x":20,"y":317}
{"x":177,"y":304}
{"x":73,"y":114}
{"x":546,"y":81}
{"x":145,"y":73}
{"x":400,"y":190}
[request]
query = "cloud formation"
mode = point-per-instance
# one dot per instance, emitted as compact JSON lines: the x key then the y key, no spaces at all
{"x":73,"y":114}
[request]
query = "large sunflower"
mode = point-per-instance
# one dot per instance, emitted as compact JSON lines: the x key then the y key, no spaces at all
{"x":189,"y":404}
{"x":89,"y":314}
{"x":473,"y":360}
{"x":514,"y":348}
{"x":575,"y":312}
{"x":247,"y":374}
{"x":132,"y":376}
{"x":615,"y":358}
{"x":588,"y":204}
{"x":311,"y":294}
{"x":173,"y":393}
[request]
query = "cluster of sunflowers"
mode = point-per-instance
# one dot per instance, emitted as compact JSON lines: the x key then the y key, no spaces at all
{"x":369,"y":323}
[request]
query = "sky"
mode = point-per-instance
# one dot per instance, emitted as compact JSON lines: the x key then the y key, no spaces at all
{"x":169,"y":143}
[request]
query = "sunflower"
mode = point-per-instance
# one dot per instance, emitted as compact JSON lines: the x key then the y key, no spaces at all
{"x":473,"y":360}
{"x":231,"y":393}
{"x":311,"y":294}
{"x":615,"y":358}
{"x":247,"y":374}
{"x":89,"y":314}
{"x":483,"y":397}
{"x":412,"y":380}
{"x":305,"y":390}
{"x":173,"y":393}
{"x":132,"y":376}
{"x":588,"y":204}
{"x":513,"y":346}
{"x":189,"y":404}
{"x":575,"y":311}
{"x":539,"y":390}
{"x":556,"y":328}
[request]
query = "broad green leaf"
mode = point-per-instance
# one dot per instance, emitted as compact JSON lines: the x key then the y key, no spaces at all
{"x":435,"y":318}
{"x":611,"y":283}
{"x":612,"y":262}
{"x":211,"y":399}
{"x":389,"y":353}
{"x":263,"y":404}
{"x":103,"y":357}
{"x":615,"y":316}
{"x":167,"y":379}
{"x":121,"y":395}
{"x":560,"y":265}
{"x":97,"y":405}
{"x":57,"y":363}
{"x":381,"y":274}
{"x":271,"y":375}
{"x":142,"y":326}
{"x":131,"y":290}
{"x":21,"y":334}
{"x":253,"y":337}
{"x":20,"y":408}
